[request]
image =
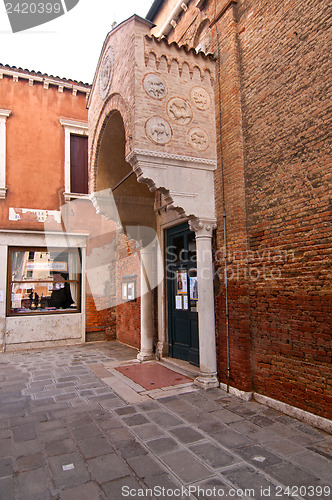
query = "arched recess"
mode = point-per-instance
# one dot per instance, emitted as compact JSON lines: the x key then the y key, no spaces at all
{"x":134,"y":200}
{"x":133,"y":212}
{"x":114,"y":103}
{"x":203,"y":37}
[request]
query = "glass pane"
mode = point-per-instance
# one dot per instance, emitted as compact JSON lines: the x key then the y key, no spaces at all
{"x":191,"y":247}
{"x":175,"y":250}
{"x":44,"y":280}
{"x":44,"y":297}
{"x":42,"y":265}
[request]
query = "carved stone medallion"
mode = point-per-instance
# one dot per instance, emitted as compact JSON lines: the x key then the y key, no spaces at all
{"x":201,"y":98}
{"x":198,"y":139}
{"x":158,"y":130}
{"x":105,"y":74}
{"x":179,"y":111}
{"x":154,"y":86}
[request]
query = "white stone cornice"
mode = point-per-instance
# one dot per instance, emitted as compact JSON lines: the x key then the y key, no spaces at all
{"x":75,"y":126}
{"x":46,"y":80}
{"x":184,"y":161}
{"x":186,"y":182}
{"x":4,"y":113}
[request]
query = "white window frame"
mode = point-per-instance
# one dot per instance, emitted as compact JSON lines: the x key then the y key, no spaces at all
{"x":75,"y":128}
{"x":4,"y":114}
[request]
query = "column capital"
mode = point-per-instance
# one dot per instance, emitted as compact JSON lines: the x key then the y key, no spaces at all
{"x":202,"y":227}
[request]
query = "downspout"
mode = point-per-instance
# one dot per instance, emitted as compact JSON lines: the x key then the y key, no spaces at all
{"x":224,"y":208}
{"x":171,"y":20}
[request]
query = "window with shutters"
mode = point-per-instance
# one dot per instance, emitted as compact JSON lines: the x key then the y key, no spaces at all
{"x":78,"y":164}
{"x":4,"y":114}
{"x":76,"y":159}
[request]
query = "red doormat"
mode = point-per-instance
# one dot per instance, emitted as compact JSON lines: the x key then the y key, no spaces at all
{"x":153,"y":375}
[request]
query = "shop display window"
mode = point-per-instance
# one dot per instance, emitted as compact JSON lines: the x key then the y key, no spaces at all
{"x":42,"y":281}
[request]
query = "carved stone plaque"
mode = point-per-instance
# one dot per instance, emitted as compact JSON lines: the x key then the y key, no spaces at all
{"x":154,"y":86}
{"x":179,"y":111}
{"x":198,"y":139}
{"x":201,"y":98}
{"x":158,"y":130}
{"x":105,"y":74}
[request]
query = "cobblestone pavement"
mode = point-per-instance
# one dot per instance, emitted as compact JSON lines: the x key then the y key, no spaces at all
{"x":71,"y":428}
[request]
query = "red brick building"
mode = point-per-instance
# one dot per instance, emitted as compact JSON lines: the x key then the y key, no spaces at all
{"x":272,"y":189}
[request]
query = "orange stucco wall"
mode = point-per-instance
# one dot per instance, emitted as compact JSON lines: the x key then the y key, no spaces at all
{"x":35,"y":146}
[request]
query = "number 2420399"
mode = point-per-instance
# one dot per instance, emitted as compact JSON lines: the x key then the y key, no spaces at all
{"x":33,"y":8}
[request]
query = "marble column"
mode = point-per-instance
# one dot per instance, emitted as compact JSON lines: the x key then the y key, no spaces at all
{"x":146,"y":351}
{"x":207,"y":378}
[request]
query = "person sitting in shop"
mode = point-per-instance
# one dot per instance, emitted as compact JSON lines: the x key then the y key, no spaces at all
{"x":61,"y":297}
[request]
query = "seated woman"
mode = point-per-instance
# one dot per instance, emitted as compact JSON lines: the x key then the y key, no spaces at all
{"x":61,"y":297}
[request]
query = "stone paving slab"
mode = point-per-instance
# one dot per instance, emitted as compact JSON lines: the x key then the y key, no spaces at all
{"x":72,"y":430}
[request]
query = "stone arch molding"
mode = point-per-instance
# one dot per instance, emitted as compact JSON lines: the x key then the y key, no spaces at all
{"x":114,"y":102}
{"x":167,"y":113}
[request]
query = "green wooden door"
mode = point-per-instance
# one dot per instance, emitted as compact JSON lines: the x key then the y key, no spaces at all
{"x":182,"y":294}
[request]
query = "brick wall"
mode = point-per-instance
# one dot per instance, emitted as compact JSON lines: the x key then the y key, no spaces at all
{"x":128,"y":319}
{"x":274,"y":164}
{"x":100,"y":318}
{"x":284,"y":66}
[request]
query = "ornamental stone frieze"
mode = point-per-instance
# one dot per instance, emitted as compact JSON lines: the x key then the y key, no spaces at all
{"x":165,"y":94}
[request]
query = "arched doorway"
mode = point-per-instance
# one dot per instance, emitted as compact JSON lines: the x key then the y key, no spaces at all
{"x":149,"y":113}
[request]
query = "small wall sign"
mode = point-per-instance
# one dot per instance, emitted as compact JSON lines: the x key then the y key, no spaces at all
{"x":128,"y":288}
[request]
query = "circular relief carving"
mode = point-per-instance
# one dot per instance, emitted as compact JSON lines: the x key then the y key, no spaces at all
{"x":158,"y":130}
{"x":154,"y":86}
{"x":198,"y":139}
{"x":179,"y":111}
{"x":106,"y":71}
{"x":200,"y":98}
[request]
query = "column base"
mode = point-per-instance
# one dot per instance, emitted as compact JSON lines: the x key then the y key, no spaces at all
{"x":145,"y":356}
{"x":207,"y":381}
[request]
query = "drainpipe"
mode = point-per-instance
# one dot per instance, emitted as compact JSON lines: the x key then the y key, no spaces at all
{"x":224,"y":210}
{"x":172,"y":18}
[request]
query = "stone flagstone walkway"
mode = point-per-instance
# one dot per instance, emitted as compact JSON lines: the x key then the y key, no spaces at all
{"x":74,"y":428}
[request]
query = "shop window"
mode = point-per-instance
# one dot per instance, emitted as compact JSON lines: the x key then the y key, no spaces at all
{"x":76,"y":159}
{"x":43,"y":281}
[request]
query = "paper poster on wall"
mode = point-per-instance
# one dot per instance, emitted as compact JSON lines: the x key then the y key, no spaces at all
{"x":193,"y":288}
{"x":178,"y":302}
{"x":185,"y":302}
{"x":181,"y":278}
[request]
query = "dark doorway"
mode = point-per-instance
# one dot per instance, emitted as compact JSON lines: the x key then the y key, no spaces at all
{"x":182,"y":294}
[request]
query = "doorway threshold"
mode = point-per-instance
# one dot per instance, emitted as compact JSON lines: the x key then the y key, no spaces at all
{"x":181,"y":366}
